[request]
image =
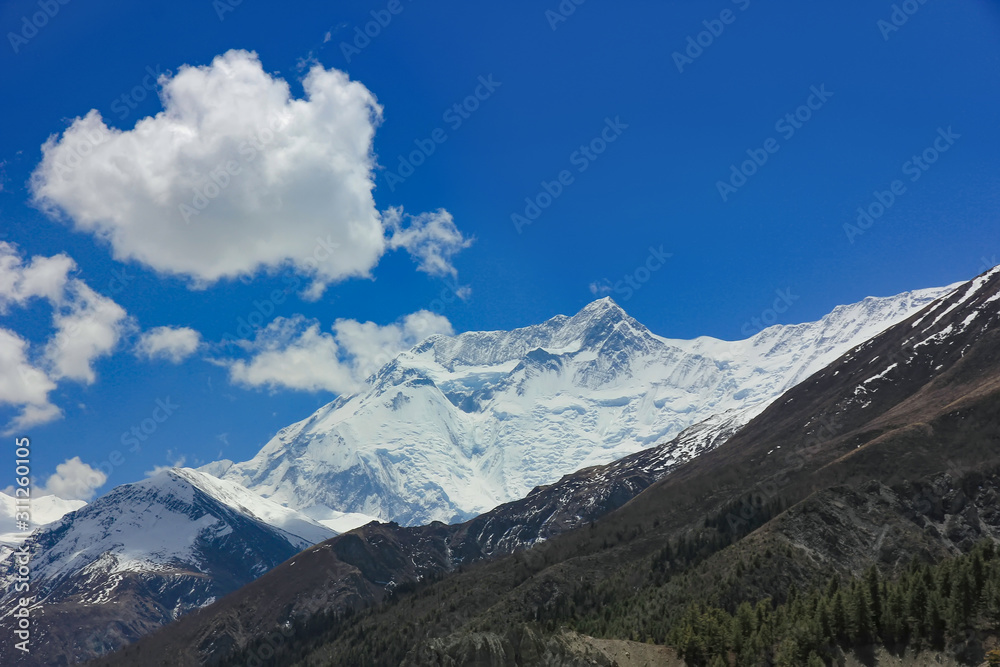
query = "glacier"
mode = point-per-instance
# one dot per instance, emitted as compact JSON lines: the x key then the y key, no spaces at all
{"x":460,"y":424}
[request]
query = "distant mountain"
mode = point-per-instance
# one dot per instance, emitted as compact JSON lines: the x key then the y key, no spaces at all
{"x":141,"y":556}
{"x":44,"y":510}
{"x":461,"y":424}
{"x":890,"y":452}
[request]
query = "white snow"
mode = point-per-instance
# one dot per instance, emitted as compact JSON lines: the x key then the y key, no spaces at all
{"x":460,"y":424}
{"x":155,"y":525}
{"x":43,"y":510}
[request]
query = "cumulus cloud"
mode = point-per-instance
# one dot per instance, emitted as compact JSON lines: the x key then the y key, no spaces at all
{"x":44,"y":277}
{"x":24,"y":386}
{"x":432,"y":239}
{"x":236,"y":175}
{"x":371,"y":346}
{"x":86,"y":326}
{"x":74,"y":480}
{"x":174,"y":344}
{"x":295,"y":353}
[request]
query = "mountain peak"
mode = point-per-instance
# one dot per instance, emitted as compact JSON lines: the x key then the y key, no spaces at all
{"x":601,"y":304}
{"x":602,"y":308}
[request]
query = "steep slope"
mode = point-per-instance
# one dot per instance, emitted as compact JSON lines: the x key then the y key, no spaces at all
{"x":928,"y":402}
{"x":141,"y":556}
{"x":378,"y":561}
{"x":461,"y":424}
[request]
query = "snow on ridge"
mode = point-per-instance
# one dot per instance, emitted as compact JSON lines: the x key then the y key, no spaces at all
{"x":157,"y":525}
{"x":460,"y":424}
{"x":43,"y":509}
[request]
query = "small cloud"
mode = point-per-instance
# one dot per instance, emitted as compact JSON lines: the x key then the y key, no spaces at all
{"x":73,"y":480}
{"x":173,"y":344}
{"x":601,"y":287}
{"x":88,"y":326}
{"x":295,"y":353}
{"x":432,"y":239}
{"x":328,"y":37}
{"x":178,"y":462}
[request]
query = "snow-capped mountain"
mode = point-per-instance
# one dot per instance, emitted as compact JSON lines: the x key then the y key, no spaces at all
{"x":147,"y":552}
{"x":44,"y":510}
{"x":459,"y":424}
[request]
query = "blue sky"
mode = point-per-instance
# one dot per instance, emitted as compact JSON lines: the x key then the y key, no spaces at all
{"x":594,"y":106}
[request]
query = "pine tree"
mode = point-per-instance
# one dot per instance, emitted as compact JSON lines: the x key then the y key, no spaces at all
{"x":935,"y":621}
{"x":815,"y":660}
{"x":838,"y":617}
{"x":742,"y":627}
{"x":916,"y":606}
{"x":956,"y":614}
{"x":862,"y":622}
{"x":874,"y":586}
{"x":788,"y":654}
{"x":823,"y":622}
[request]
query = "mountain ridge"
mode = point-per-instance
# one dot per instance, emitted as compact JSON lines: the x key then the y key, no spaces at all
{"x":143,"y":555}
{"x":818,"y":448}
{"x":442,"y":432}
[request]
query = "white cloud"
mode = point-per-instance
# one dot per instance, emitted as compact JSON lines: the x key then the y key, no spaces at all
{"x":178,"y":462}
{"x":74,"y":480}
{"x":431,"y":238}
{"x":302,"y":195}
{"x":88,"y":326}
{"x":296,"y":354}
{"x":44,"y":277}
{"x":601,"y":287}
{"x":22,"y":385}
{"x":174,"y":344}
{"x":235,"y":176}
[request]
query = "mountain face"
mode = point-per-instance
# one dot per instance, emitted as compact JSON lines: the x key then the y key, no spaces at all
{"x":890,"y":452}
{"x":460,"y":424}
{"x":373,"y":563}
{"x":143,"y":555}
